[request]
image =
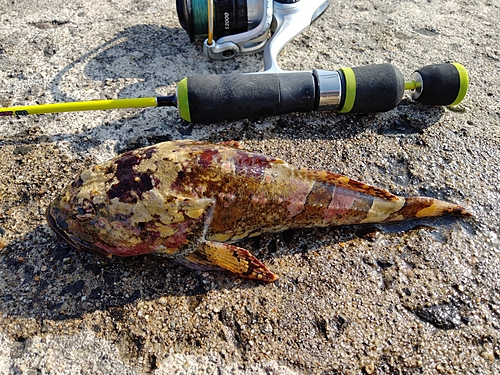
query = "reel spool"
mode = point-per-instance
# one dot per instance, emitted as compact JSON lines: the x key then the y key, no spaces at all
{"x":230,"y":16}
{"x":228,"y":27}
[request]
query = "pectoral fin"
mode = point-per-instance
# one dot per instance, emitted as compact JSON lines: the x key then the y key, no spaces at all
{"x":217,"y":255}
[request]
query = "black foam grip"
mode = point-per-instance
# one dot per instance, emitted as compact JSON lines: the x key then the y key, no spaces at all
{"x":379,"y":88}
{"x":440,"y":84}
{"x":214,"y":98}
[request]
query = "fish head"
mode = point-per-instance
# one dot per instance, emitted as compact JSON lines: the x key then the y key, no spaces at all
{"x":127,"y":206}
{"x":76,"y":215}
{"x":106,"y":209}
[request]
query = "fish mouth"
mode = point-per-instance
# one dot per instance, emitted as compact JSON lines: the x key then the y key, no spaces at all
{"x":72,"y":240}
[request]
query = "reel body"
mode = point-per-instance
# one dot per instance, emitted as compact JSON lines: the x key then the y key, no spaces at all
{"x":228,"y":27}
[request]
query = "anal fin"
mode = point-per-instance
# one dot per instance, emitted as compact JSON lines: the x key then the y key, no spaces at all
{"x":218,"y":255}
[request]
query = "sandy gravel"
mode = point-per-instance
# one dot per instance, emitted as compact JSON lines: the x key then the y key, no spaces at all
{"x":420,"y":298}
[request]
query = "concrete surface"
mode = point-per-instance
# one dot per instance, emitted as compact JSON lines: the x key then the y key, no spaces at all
{"x":421,"y":298}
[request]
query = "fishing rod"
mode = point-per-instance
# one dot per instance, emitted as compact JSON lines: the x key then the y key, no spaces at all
{"x":247,"y":26}
{"x":214,"y":98}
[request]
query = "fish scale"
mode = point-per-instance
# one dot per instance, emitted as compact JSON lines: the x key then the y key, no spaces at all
{"x":191,"y":201}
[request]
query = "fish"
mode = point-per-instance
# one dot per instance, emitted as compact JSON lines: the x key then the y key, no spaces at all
{"x":191,"y":201}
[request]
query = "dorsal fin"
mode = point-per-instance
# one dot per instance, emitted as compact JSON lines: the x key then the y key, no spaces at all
{"x":348,"y":183}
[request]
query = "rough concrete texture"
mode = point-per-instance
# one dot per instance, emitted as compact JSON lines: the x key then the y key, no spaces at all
{"x":421,"y":298}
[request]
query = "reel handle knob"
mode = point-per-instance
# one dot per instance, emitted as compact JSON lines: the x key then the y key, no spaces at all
{"x":440,"y":84}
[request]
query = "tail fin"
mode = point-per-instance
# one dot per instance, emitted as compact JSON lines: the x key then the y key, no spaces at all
{"x":420,"y":207}
{"x":340,"y":200}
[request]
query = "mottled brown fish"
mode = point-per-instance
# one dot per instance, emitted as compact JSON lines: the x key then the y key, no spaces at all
{"x":190,"y":201}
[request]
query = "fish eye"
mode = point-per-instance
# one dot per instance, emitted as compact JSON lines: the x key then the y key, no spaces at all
{"x":84,"y":210}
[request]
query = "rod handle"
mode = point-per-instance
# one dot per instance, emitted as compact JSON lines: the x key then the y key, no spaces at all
{"x":440,"y":84}
{"x":214,"y":98}
{"x":371,"y":88}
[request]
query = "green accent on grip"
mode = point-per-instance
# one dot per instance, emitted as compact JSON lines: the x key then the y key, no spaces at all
{"x":350,"y":90}
{"x":183,"y":99}
{"x":464,"y":83}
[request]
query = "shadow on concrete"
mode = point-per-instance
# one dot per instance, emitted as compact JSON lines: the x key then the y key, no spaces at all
{"x":44,"y":278}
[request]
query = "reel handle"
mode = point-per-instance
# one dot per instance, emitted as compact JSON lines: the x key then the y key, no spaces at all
{"x":372,"y":88}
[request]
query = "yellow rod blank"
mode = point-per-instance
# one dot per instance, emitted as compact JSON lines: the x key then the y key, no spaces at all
{"x":90,"y":105}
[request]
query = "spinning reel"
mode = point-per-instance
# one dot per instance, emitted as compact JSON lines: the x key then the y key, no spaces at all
{"x":233,"y":27}
{"x":236,"y":27}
